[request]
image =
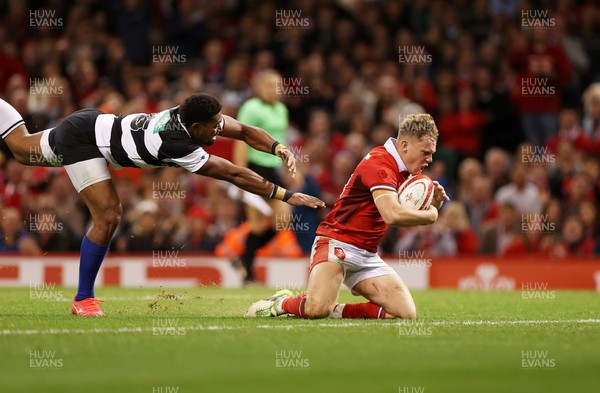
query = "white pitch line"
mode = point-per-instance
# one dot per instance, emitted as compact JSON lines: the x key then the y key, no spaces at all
{"x":156,"y":297}
{"x":27,"y":332}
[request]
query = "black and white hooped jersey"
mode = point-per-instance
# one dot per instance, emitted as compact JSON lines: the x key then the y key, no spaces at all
{"x":148,"y":141}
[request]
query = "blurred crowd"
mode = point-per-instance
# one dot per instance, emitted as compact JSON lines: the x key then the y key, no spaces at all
{"x":515,"y":95}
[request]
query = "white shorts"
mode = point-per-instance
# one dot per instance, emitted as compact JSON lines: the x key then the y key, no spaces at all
{"x":358,"y":264}
{"x":85,"y":173}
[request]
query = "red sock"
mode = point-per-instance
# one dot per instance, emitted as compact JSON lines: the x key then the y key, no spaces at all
{"x":363,"y":310}
{"x":295,"y":305}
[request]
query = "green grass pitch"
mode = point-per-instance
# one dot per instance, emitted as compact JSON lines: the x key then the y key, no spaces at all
{"x":195,"y":340}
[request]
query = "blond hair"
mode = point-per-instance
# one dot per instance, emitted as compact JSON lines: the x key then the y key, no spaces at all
{"x":418,"y":125}
{"x":588,"y":95}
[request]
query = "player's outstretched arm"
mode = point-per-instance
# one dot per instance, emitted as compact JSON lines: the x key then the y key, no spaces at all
{"x":244,"y":178}
{"x":393,"y":213}
{"x":258,"y":139}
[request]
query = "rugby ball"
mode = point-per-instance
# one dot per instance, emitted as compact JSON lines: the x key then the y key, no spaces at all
{"x":416,"y":192}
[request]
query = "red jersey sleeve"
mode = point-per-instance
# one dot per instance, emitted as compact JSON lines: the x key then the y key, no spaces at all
{"x":380,"y":174}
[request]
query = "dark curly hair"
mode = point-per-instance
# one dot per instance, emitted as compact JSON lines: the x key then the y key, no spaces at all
{"x":199,"y":108}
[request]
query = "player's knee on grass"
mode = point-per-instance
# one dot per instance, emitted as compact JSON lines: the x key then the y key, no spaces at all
{"x":395,"y":300}
{"x":315,"y":309}
{"x":401,"y":311}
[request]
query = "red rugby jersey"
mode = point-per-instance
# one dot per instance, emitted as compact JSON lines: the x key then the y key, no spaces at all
{"x":354,"y":218}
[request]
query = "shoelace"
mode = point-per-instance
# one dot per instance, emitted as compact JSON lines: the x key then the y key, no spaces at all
{"x":93,"y":301}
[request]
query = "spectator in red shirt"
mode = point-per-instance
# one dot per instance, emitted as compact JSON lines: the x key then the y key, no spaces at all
{"x":543,"y":72}
{"x":569,"y":129}
{"x":574,"y":241}
{"x":578,"y":189}
{"x":461,"y":129}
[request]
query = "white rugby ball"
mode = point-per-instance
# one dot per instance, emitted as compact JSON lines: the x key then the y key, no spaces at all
{"x":416,"y":192}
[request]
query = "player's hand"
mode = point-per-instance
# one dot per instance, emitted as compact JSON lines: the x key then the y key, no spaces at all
{"x":300,"y":199}
{"x":439,"y":195}
{"x":433,"y":214}
{"x":288,"y":159}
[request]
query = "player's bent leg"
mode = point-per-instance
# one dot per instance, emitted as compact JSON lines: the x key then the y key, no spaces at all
{"x":318,"y":302}
{"x":322,"y":291}
{"x":105,"y":207}
{"x":94,"y":184}
{"x":391,"y":293}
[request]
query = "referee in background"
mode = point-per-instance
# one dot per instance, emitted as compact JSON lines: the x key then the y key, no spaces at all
{"x":269,"y":113}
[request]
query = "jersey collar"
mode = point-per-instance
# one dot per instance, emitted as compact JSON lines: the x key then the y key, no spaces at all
{"x":183,"y":125}
{"x":390,"y":146}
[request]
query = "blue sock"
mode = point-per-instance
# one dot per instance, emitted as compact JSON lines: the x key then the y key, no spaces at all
{"x":92,"y":256}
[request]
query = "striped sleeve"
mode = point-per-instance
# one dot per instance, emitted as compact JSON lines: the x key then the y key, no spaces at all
{"x":191,"y":162}
{"x":9,"y":119}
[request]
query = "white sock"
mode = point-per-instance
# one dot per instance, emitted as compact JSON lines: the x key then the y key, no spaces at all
{"x":337,"y":311}
{"x":277,"y":305}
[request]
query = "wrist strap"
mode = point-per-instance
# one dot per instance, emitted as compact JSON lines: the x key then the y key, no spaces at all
{"x":275,"y":147}
{"x":280,"y":193}
{"x":288,"y":195}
